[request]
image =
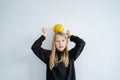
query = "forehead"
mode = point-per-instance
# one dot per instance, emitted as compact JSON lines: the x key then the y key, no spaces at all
{"x":59,"y":37}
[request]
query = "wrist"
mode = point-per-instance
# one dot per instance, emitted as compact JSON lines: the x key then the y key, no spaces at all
{"x":69,"y":36}
{"x":44,"y":35}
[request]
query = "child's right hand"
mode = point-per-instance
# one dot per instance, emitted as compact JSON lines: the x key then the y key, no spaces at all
{"x":44,"y":32}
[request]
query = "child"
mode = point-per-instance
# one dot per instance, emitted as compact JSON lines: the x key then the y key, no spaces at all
{"x":59,"y":61}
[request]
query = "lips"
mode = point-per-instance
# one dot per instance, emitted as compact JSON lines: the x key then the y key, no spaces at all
{"x":61,"y":46}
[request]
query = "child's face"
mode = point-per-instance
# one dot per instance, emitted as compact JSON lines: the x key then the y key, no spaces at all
{"x":60,"y":42}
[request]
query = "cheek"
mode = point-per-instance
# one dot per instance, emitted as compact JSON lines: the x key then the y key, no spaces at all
{"x":65,"y":43}
{"x":56,"y":44}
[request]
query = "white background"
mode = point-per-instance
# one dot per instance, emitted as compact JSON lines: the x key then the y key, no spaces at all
{"x":96,"y":21}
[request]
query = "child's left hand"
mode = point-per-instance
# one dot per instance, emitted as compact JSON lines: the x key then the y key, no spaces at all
{"x":68,"y":34}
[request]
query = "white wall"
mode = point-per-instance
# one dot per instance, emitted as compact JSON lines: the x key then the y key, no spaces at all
{"x":96,"y":21}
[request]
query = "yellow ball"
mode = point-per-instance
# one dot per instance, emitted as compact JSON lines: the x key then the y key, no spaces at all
{"x":58,"y":28}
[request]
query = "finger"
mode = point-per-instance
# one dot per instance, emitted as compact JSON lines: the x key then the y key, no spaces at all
{"x":44,"y":29}
{"x":68,"y":31}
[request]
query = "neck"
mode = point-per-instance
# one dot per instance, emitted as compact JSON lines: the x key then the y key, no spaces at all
{"x":60,"y":54}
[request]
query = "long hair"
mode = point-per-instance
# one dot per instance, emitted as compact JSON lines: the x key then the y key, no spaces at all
{"x":54,"y":57}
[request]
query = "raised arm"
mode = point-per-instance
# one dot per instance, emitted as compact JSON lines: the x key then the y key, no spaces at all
{"x":79,"y":45}
{"x":41,"y":53}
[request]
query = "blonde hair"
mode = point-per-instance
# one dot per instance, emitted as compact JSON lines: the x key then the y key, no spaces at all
{"x":54,"y":57}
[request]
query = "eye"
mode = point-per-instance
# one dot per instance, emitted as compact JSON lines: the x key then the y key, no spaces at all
{"x":63,"y":40}
{"x":57,"y":40}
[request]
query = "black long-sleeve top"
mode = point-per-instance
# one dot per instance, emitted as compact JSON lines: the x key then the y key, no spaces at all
{"x":59,"y":72}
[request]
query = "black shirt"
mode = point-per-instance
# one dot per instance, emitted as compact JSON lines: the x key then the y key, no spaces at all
{"x":59,"y":72}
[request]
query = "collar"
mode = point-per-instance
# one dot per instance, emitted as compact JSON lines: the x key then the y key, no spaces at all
{"x":59,"y":53}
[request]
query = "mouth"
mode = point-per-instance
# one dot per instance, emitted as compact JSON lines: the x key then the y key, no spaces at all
{"x":61,"y":46}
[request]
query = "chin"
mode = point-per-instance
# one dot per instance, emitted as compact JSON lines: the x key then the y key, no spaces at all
{"x":60,"y":49}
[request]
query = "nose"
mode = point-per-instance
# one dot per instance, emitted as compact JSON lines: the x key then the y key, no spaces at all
{"x":60,"y":42}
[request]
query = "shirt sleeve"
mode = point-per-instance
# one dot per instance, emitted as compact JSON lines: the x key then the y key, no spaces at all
{"x":41,"y":53}
{"x":79,"y":45}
